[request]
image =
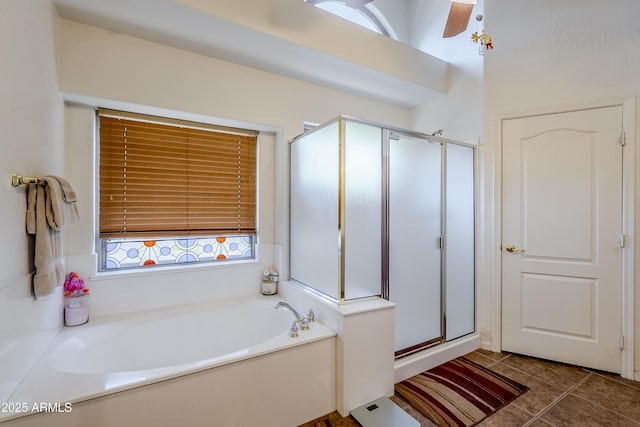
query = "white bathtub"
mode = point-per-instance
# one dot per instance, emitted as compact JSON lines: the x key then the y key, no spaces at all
{"x":221,"y":352}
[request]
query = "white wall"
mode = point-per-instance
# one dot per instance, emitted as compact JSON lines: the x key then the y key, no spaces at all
{"x":319,"y":31}
{"x":31,"y":127}
{"x":459,"y":112}
{"x":31,"y":114}
{"x":113,"y":66}
{"x":550,"y":55}
{"x":104,"y":68}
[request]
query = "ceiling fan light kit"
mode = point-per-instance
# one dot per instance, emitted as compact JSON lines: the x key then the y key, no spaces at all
{"x":484,"y":41}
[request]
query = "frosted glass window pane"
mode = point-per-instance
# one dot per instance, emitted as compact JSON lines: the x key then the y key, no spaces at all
{"x":363,"y":228}
{"x":460,"y":243}
{"x":314,"y":210}
{"x":414,"y":227}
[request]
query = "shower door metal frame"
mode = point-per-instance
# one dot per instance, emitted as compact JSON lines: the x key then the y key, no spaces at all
{"x":342,"y":209}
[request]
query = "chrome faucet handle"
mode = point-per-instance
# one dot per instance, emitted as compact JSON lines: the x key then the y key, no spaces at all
{"x":311,"y":316}
{"x":293,"y":332}
{"x":304,"y":324}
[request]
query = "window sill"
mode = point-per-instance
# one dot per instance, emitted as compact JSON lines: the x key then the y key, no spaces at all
{"x":171,"y":269}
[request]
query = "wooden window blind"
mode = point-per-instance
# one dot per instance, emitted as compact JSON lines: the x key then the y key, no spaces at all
{"x":169,"y":178}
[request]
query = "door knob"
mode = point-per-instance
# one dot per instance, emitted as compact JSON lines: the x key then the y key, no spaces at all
{"x":512,"y":249}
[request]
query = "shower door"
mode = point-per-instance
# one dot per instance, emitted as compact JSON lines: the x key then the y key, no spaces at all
{"x":415,"y":238}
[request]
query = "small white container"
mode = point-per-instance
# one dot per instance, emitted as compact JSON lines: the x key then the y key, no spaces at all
{"x":274,"y":276}
{"x":270,"y":282}
{"x":76,"y":310}
{"x":269,"y":287}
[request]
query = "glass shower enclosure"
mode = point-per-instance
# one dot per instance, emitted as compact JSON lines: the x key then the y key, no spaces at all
{"x":380,"y":211}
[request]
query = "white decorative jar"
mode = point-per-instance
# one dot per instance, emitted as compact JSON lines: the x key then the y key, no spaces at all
{"x":76,"y":310}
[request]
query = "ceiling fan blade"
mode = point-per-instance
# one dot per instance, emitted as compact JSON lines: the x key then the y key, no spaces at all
{"x":458,"y":19}
{"x":356,"y":3}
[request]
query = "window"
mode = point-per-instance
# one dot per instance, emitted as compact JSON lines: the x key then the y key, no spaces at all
{"x":174,"y":192}
{"x":363,"y":16}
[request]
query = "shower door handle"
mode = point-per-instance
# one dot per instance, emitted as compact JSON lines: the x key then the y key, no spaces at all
{"x":513,"y":249}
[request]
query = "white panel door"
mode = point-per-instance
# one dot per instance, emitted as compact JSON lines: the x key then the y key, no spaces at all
{"x":561,"y":255}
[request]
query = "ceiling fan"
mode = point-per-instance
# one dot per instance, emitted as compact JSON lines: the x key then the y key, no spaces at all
{"x":459,"y":15}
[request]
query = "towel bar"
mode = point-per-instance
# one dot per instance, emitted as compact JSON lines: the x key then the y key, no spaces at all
{"x":17,"y":180}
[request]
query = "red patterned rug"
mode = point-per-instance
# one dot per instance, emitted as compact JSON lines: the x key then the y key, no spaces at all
{"x":459,"y":392}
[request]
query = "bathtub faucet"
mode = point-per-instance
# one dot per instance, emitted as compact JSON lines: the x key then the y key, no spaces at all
{"x":300,"y":319}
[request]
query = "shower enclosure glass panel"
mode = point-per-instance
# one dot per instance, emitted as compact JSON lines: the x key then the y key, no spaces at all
{"x":314,"y":209}
{"x":337,"y":251}
{"x":460,"y":242}
{"x":363,"y":207}
{"x":415,"y":212}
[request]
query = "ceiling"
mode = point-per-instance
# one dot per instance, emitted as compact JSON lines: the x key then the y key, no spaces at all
{"x":286,"y":37}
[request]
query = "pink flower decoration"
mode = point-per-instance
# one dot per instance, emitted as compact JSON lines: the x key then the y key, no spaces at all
{"x":74,"y":285}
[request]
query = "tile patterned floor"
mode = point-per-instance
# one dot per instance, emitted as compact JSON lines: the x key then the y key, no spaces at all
{"x":559,"y":395}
